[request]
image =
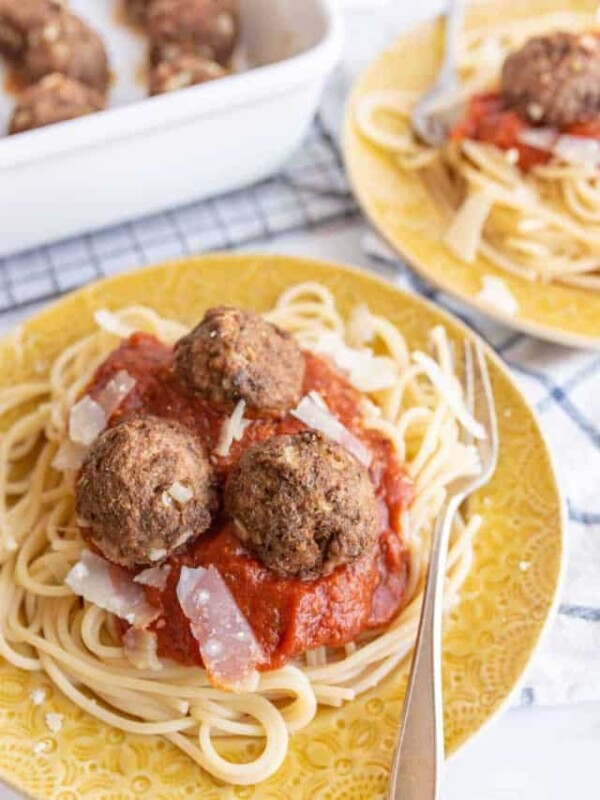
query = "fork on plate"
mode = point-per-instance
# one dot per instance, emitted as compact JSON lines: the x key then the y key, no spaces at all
{"x":419,"y":754}
{"x":437,"y":110}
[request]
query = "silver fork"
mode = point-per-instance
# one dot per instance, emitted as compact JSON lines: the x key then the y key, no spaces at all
{"x":430,"y":126}
{"x":419,"y":753}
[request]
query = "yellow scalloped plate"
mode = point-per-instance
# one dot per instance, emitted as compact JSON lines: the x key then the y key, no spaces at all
{"x":404,"y":213}
{"x":344,"y":754}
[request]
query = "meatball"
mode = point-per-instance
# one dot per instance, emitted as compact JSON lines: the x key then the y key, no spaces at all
{"x":19,"y":17}
{"x":206,"y":28}
{"x":145,"y":489}
{"x":554,"y":80}
{"x":67,"y":45}
{"x":235,"y":355}
{"x":183,"y":71}
{"x":136,"y":11}
{"x":303,"y":505}
{"x":56,"y":98}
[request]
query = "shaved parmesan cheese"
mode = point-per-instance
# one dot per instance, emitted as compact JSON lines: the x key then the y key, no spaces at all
{"x":449,"y":391}
{"x":360,"y":328}
{"x":227,"y":644}
{"x":54,"y":722}
{"x":111,"y":588}
{"x":312,"y":411}
{"x":86,"y":421}
{"x":37,"y":696}
{"x":578,"y":150}
{"x":140,"y":648}
{"x":115,"y":391}
{"x":464,"y":234}
{"x":154,"y":576}
{"x":365,"y":371}
{"x":110,"y":323}
{"x":539,"y":138}
{"x":180,"y":493}
{"x":156,"y":553}
{"x":495,"y":293}
{"x":69,"y":456}
{"x":88,"y":417}
{"x":232,"y":430}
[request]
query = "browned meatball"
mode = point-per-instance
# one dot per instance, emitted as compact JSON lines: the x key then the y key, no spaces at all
{"x":303,"y":505}
{"x":554,"y":80}
{"x":55,"y":98}
{"x":183,"y":71}
{"x":235,"y":355}
{"x":144,"y":490}
{"x":206,"y":28}
{"x":19,"y":17}
{"x":67,"y":45}
{"x":136,"y":11}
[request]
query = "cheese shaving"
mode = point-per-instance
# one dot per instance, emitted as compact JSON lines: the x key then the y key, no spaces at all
{"x":232,"y":430}
{"x":364,"y":370}
{"x":111,"y":588}
{"x":180,"y":493}
{"x":496,"y":294}
{"x":86,"y":421}
{"x":313,"y":412}
{"x":229,"y":649}
{"x":37,"y":696}
{"x":89,"y":417}
{"x":464,"y":234}
{"x":141,"y":649}
{"x":69,"y":456}
{"x":360,"y":329}
{"x":115,"y":391}
{"x":54,"y":722}
{"x":154,"y":576}
{"x":111,"y":323}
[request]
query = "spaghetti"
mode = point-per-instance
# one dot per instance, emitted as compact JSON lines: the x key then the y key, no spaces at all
{"x":541,"y":223}
{"x":79,"y":646}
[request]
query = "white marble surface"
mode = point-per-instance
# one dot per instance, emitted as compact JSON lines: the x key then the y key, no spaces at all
{"x":527,"y":754}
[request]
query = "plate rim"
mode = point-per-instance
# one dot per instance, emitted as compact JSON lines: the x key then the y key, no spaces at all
{"x":446,"y":316}
{"x":535,"y":329}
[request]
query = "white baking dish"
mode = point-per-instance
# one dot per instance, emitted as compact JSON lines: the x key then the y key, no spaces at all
{"x":146,"y":154}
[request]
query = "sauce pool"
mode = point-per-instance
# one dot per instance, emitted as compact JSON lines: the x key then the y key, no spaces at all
{"x":288,"y":616}
{"x":488,"y":119}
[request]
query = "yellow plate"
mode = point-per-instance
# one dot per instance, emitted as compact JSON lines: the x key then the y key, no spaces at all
{"x":402,"y":210}
{"x":345,"y":752}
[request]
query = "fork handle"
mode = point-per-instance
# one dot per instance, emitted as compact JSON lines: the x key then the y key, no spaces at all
{"x":454,"y":23}
{"x":419,"y":754}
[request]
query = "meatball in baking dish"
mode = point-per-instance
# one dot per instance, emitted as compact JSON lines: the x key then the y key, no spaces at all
{"x":206,"y":28}
{"x":55,"y":98}
{"x":183,"y":71}
{"x":554,"y":80}
{"x":136,"y":11}
{"x":302,"y":504}
{"x":145,"y":489}
{"x":66,"y":44}
{"x":234,"y":355}
{"x":19,"y":17}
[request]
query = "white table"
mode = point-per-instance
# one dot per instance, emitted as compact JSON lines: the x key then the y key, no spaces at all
{"x":527,"y":754}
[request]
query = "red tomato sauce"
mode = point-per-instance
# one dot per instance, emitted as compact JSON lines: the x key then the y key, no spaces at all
{"x":489,"y":119}
{"x":288,"y":616}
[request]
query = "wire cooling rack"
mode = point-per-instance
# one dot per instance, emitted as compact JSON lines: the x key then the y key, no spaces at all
{"x":312,"y":189}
